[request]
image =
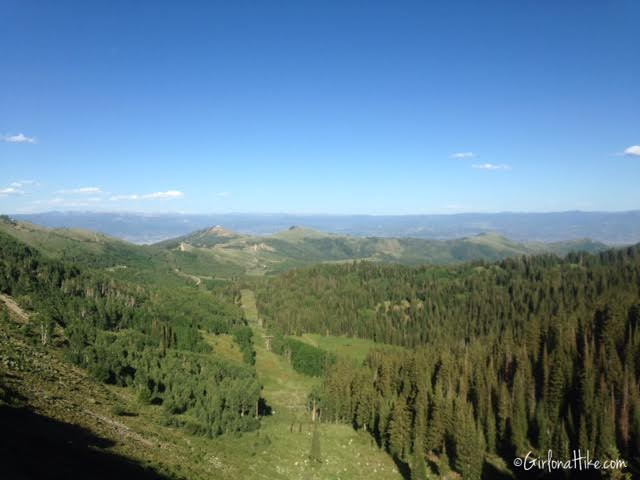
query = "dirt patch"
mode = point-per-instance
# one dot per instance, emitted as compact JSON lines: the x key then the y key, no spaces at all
{"x":19,"y":314}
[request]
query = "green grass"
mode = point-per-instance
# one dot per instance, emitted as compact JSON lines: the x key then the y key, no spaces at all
{"x":223,"y":346}
{"x":355,"y":348}
{"x":249,"y":306}
{"x":346,"y":454}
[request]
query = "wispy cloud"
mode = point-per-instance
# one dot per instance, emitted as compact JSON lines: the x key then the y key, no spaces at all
{"x":168,"y":195}
{"x":81,"y":191}
{"x":165,"y":195}
{"x":5,"y":192}
{"x":23,"y":183}
{"x":21,"y":187}
{"x":633,"y":151}
{"x":19,"y":138}
{"x":462,"y":155}
{"x":490,"y":166}
{"x":116,"y":198}
{"x":223,"y":194}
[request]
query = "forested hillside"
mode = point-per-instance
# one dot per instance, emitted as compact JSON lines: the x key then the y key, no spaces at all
{"x":493,"y":360}
{"x":530,"y":353}
{"x":134,"y":335}
{"x":161,"y":378}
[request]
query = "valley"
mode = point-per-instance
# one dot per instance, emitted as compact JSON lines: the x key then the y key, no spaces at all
{"x":105,"y":343}
{"x":117,"y":426}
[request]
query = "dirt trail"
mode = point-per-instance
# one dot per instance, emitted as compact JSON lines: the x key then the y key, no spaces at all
{"x":198,"y":280}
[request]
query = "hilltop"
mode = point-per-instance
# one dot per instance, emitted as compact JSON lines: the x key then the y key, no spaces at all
{"x":299,"y":246}
{"x":607,"y":227}
{"x":219,"y":252}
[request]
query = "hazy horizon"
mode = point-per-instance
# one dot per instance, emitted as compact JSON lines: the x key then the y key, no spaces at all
{"x":145,"y":227}
{"x":312,"y":213}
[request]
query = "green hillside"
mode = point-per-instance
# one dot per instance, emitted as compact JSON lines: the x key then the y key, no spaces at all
{"x":298,"y":247}
{"x":104,"y":379}
{"x":525,"y":355}
{"x":168,"y":361}
{"x":124,"y":260}
{"x":216,"y":253}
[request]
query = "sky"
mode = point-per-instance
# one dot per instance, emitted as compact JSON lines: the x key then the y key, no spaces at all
{"x":396,"y":107}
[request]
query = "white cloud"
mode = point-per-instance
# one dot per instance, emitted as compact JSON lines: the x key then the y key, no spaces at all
{"x":164,"y":195}
{"x":633,"y":151}
{"x":223,"y":194}
{"x":490,"y":166}
{"x":17,"y":188}
{"x":116,"y":198}
{"x":168,"y":195}
{"x":19,"y":138}
{"x":81,"y":191}
{"x":5,"y":192}
{"x":462,"y":155}
{"x":23,"y":183}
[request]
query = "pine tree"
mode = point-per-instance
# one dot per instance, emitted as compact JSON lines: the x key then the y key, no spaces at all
{"x":503,"y":413}
{"x":469,"y":443}
{"x":560,"y":441}
{"x":436,"y":430}
{"x":400,"y":428}
{"x":419,"y":469}
{"x":519,"y":415}
{"x":420,"y":426}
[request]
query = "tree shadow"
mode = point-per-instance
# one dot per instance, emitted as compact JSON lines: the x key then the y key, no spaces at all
{"x":490,"y":472}
{"x":264,"y":409}
{"x":402,"y":467}
{"x":36,"y":447}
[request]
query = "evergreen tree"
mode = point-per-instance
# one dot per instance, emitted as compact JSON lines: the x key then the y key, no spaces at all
{"x":400,"y":429}
{"x":419,"y":470}
{"x":469,"y":444}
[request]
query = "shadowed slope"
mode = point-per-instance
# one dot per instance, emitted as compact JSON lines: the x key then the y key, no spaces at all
{"x":36,"y":447}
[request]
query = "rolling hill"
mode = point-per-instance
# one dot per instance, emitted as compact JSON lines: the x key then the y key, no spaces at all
{"x":217,"y":252}
{"x":614,"y":228}
{"x":299,"y":246}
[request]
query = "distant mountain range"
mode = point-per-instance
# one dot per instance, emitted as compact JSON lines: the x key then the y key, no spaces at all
{"x":300,"y":246}
{"x":216,"y":252}
{"x":614,"y":228}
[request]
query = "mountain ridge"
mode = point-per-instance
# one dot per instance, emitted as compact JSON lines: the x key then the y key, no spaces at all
{"x":607,"y":227}
{"x":302,"y":246}
{"x":217,"y":251}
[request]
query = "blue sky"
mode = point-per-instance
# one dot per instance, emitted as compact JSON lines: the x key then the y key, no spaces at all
{"x":319,"y":106}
